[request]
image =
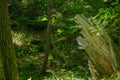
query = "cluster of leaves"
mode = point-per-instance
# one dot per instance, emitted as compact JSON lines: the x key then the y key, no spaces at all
{"x":110,"y":17}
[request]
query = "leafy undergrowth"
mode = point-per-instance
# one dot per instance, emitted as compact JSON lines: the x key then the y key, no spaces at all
{"x":72,"y":68}
{"x":61,"y":74}
{"x":65,"y":61}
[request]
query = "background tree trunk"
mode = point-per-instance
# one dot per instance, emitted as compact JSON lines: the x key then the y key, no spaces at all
{"x":48,"y":36}
{"x":8,"y":66}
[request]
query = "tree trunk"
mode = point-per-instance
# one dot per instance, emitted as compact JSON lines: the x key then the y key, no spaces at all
{"x":8,"y":66}
{"x":48,"y":37}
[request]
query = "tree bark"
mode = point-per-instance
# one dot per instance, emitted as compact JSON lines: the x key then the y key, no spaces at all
{"x":8,"y":66}
{"x":48,"y":37}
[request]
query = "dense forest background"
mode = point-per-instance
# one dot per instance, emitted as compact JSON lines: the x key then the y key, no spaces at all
{"x":45,"y":31}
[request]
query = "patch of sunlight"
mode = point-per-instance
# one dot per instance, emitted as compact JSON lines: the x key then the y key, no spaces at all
{"x":68,"y":75}
{"x":30,"y":78}
{"x":24,"y":1}
{"x":18,"y":38}
{"x":44,"y":18}
{"x":63,"y":74}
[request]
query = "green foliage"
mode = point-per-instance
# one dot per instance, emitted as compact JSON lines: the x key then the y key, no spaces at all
{"x":31,"y":16}
{"x":26,"y":50}
{"x":110,"y":17}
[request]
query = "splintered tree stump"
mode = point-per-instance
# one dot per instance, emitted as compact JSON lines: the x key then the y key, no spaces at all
{"x":98,"y":45}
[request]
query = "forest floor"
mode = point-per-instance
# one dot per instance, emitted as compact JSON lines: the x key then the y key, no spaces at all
{"x":62,"y":64}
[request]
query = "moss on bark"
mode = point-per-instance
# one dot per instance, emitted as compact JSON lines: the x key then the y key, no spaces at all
{"x":8,"y":66}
